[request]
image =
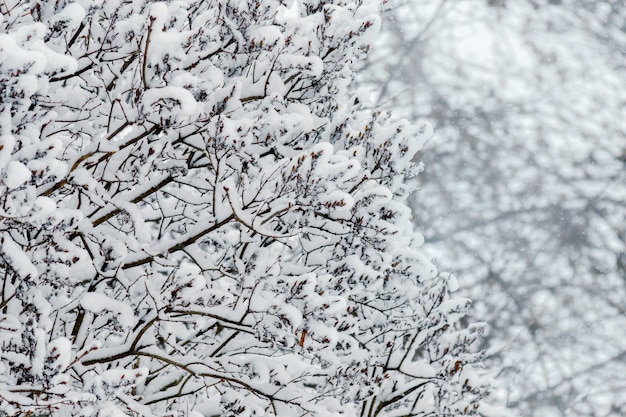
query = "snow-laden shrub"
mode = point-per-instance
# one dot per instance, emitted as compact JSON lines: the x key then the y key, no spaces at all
{"x":198,"y":217}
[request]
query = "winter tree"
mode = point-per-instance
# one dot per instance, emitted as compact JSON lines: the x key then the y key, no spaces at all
{"x":524,"y":193}
{"x":201,"y":217}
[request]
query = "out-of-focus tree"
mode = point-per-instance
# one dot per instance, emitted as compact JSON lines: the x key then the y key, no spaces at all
{"x":527,"y":172}
{"x":199,"y":217}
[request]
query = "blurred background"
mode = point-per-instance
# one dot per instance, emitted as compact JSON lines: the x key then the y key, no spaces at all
{"x":524,"y":193}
